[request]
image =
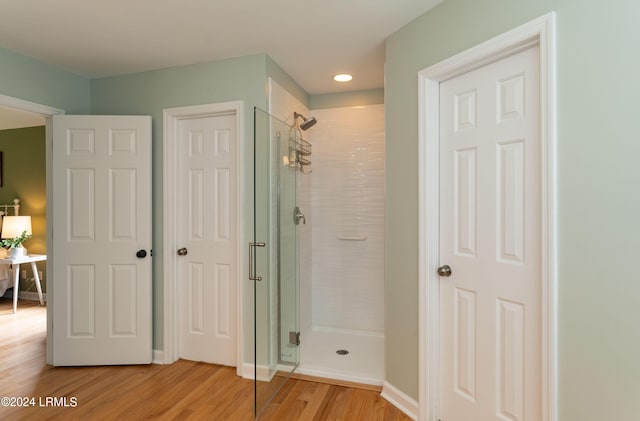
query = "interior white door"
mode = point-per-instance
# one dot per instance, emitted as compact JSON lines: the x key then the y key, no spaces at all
{"x":208,"y":221}
{"x":490,"y":201}
{"x":102,"y":222}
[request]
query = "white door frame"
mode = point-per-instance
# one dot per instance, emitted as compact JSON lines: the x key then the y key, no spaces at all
{"x":46,"y":112}
{"x":171,"y":119}
{"x":539,"y":32}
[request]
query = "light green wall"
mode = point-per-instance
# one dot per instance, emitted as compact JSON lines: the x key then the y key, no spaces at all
{"x":599,"y":204}
{"x":24,"y":177}
{"x":148,"y":93}
{"x":347,"y":99}
{"x":24,"y":78}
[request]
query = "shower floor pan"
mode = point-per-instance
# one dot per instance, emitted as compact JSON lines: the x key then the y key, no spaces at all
{"x":322,"y":354}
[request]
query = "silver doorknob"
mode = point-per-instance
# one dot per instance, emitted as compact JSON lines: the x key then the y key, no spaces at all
{"x":183,"y":251}
{"x":444,"y":270}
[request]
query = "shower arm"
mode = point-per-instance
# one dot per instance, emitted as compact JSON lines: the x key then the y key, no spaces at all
{"x":297,"y":115}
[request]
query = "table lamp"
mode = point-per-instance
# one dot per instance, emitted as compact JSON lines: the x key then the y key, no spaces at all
{"x":14,"y":226}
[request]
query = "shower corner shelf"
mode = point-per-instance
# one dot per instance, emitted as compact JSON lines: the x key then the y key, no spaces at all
{"x":299,"y":150}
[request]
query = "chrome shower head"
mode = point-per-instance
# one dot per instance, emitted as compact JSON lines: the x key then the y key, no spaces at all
{"x":307,"y":123}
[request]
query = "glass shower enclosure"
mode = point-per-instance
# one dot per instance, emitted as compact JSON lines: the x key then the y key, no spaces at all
{"x":273,"y":255}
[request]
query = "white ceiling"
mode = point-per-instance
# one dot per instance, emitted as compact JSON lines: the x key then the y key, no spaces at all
{"x":310,"y":40}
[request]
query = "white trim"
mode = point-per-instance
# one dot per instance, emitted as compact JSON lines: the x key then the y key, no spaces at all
{"x":428,"y":220}
{"x":47,"y":112}
{"x":537,"y":32}
{"x":400,"y":400}
{"x":32,"y":107}
{"x":171,"y":118}
{"x":263,"y":373}
{"x":158,"y":357}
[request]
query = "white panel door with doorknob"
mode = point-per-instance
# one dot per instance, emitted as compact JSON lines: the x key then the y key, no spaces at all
{"x":101,"y":232}
{"x":490,"y":201}
{"x":207,"y":239}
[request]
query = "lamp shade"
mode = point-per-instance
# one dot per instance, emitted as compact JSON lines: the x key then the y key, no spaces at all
{"x":14,"y":226}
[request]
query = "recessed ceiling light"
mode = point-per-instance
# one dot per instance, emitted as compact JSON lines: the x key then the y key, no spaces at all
{"x":343,"y":77}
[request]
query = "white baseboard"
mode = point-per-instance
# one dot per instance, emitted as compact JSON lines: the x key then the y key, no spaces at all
{"x":247,"y":371}
{"x":158,"y":357}
{"x":400,"y":400}
{"x":31,"y":296}
{"x":265,"y":374}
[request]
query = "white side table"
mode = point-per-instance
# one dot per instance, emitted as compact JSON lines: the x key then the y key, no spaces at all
{"x":31,"y":258}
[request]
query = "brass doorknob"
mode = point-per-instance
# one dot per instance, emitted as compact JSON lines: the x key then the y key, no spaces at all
{"x":182,"y":252}
{"x":444,"y":270}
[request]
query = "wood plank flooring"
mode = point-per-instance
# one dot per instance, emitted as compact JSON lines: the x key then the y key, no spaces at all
{"x":185,"y":390}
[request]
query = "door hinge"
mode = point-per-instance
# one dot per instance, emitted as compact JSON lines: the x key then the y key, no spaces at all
{"x":294,"y":338}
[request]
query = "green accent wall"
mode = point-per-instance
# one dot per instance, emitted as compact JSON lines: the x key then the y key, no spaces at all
{"x":598,"y":200}
{"x":24,"y":177}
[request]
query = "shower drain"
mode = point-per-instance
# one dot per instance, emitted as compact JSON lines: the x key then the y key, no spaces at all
{"x":342,"y":352}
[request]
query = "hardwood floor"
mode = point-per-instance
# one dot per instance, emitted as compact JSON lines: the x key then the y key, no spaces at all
{"x":185,"y":390}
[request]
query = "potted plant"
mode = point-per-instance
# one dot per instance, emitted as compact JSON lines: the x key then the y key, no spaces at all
{"x":14,"y":245}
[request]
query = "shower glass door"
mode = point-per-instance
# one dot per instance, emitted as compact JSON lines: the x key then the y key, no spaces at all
{"x":274,"y":257}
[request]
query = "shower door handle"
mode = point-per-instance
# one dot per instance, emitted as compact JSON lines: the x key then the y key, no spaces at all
{"x":251,"y":247}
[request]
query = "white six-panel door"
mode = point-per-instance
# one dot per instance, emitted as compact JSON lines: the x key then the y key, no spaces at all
{"x":490,"y":200}
{"x":207,"y":229}
{"x":102,"y":218}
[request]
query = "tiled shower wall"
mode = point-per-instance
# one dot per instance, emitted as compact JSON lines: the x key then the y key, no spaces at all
{"x":347,"y":204}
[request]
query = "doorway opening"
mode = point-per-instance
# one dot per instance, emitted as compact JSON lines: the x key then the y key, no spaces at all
{"x":34,"y":113}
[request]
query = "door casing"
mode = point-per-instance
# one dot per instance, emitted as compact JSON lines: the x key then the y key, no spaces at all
{"x":539,"y":32}
{"x":171,"y":118}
